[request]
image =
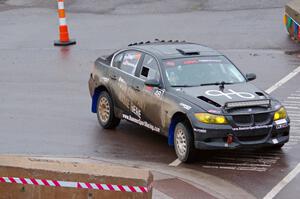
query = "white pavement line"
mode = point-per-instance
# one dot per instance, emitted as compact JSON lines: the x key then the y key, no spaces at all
{"x":259,"y":169}
{"x":293,"y":111}
{"x":294,"y":115}
{"x":256,"y":156}
{"x":249,"y":160}
{"x":293,"y":97}
{"x":236,"y":164}
{"x":290,"y":104}
{"x":175,"y":163}
{"x":292,"y":107}
{"x":283,"y":182}
{"x":283,"y":80}
{"x":295,"y":102}
{"x":295,"y":120}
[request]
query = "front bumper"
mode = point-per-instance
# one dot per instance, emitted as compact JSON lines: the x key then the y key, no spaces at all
{"x":211,"y":137}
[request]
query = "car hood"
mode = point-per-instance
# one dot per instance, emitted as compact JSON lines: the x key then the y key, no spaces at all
{"x":218,"y":97}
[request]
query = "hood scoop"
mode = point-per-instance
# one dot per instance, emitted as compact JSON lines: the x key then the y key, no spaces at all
{"x":261,"y":95}
{"x":209,"y":101}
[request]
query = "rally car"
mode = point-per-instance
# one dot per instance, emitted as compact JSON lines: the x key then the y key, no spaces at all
{"x":190,"y":93}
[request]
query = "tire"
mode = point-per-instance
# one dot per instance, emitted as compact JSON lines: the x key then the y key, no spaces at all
{"x":105,"y":111}
{"x":184,"y":142}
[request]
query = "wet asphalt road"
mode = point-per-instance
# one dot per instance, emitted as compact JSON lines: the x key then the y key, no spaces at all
{"x":44,"y":99}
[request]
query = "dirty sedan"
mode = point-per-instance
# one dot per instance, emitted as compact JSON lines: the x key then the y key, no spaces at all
{"x":192,"y":94}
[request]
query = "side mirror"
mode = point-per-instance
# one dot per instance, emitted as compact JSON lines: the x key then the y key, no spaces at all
{"x":250,"y":77}
{"x":152,"y":83}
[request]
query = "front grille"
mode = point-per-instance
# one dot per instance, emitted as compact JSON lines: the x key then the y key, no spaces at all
{"x":262,"y":118}
{"x":242,"y":119}
{"x":249,"y":120}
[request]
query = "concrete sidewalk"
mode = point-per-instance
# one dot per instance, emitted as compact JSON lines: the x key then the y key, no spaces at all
{"x":167,"y":186}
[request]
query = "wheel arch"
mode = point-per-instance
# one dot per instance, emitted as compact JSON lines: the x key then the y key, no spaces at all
{"x":96,"y":95}
{"x":177,"y":117}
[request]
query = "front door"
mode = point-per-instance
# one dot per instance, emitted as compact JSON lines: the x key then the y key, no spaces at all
{"x":145,"y":102}
{"x":121,"y":78}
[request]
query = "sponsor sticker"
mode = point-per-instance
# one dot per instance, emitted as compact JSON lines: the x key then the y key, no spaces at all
{"x":187,"y":107}
{"x":105,"y":79}
{"x":135,"y":110}
{"x":275,"y":141}
{"x":159,"y":92}
{"x":214,"y":111}
{"x":141,"y":123}
{"x":281,"y":123}
{"x":252,"y":127}
{"x":217,"y":93}
{"x":200,"y":130}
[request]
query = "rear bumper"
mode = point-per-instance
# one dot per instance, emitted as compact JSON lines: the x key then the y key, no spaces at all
{"x":212,"y":139}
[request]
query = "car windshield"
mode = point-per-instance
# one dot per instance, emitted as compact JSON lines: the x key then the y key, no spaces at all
{"x":201,"y":71}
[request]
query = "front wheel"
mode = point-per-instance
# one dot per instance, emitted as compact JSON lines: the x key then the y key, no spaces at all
{"x":184,"y":142}
{"x":105,"y":112}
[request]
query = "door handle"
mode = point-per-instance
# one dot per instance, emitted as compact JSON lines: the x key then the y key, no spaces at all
{"x":112,"y":76}
{"x":137,"y":88}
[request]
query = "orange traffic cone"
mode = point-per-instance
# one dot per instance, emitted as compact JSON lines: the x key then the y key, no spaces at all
{"x":64,"y":39}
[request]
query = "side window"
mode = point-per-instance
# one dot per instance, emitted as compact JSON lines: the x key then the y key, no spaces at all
{"x":150,"y":69}
{"x":118,"y":60}
{"x":130,"y":61}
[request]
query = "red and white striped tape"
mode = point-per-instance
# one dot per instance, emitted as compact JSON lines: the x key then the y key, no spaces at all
{"x":78,"y":185}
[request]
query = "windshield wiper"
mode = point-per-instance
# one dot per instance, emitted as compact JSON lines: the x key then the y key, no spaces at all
{"x":206,"y":84}
{"x":216,"y":83}
{"x":184,"y":85}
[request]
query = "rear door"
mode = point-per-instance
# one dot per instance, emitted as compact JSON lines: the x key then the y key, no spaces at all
{"x":121,"y":77}
{"x":145,"y":102}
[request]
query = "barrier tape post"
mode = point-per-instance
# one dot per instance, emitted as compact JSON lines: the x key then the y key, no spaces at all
{"x":64,"y":39}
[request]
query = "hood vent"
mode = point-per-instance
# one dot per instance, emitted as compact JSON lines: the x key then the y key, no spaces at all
{"x":209,"y":101}
{"x":188,"y":52}
{"x":260,"y":94}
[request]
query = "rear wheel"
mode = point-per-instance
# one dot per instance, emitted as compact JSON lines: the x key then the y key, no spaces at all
{"x":105,"y":111}
{"x":184,"y":142}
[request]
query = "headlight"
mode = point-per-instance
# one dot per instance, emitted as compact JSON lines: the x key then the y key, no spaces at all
{"x":280,"y":114}
{"x":211,"y":119}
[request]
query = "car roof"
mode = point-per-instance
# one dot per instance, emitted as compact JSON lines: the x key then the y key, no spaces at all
{"x":169,"y":50}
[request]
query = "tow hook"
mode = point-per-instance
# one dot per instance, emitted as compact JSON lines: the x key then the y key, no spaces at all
{"x":229,"y":139}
